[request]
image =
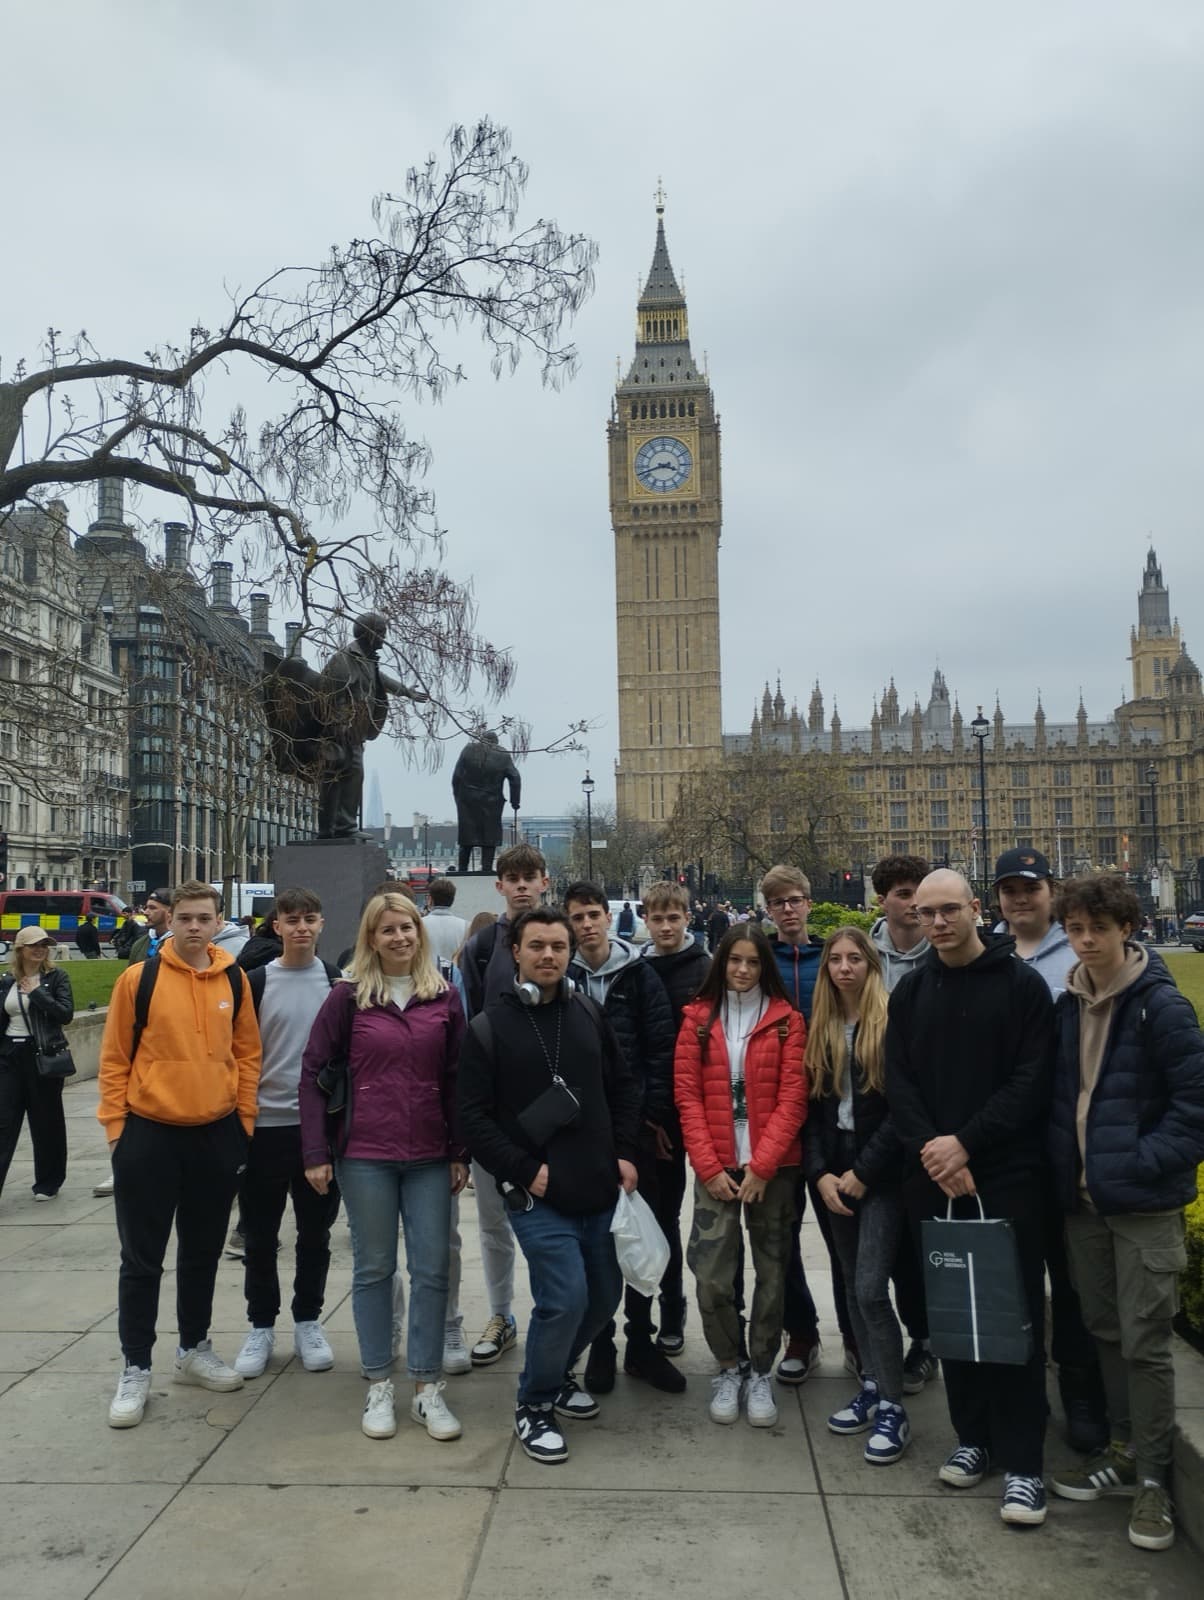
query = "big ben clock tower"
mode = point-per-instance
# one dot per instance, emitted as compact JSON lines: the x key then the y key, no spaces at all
{"x":666,"y":511}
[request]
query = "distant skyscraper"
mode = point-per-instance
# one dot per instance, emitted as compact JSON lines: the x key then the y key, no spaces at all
{"x":374,"y":813}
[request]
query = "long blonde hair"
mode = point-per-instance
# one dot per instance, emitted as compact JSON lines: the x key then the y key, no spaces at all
{"x":827,"y":1052}
{"x":364,"y":969}
{"x":16,"y":960}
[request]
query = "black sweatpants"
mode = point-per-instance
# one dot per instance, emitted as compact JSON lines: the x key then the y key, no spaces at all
{"x":999,"y":1408}
{"x":25,"y":1093}
{"x":275,"y":1172}
{"x":802,"y":1319}
{"x":637,"y":1307}
{"x":163,"y":1173}
{"x":671,"y":1191}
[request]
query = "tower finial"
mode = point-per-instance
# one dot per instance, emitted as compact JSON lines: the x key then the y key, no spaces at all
{"x":660,"y":197}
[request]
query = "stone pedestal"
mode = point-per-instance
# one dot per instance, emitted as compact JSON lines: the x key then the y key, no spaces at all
{"x":342,"y":873}
{"x":475,"y":892}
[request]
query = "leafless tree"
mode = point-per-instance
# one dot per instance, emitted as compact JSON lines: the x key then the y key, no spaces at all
{"x":349,"y":343}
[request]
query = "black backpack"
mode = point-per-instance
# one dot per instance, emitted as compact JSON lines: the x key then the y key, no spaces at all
{"x":258,"y":976}
{"x":147,"y":980}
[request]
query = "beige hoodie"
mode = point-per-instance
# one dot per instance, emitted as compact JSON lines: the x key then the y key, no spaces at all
{"x":1095,"y":1018}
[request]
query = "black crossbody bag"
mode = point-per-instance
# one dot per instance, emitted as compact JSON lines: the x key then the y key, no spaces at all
{"x":50,"y":1064}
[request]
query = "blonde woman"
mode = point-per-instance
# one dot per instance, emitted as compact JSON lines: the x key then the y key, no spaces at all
{"x":398,"y":1025}
{"x":35,"y":1006}
{"x":851,"y":1154}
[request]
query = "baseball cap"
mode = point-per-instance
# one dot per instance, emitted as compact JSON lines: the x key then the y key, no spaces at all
{"x":27,"y":936}
{"x":1022,"y":862}
{"x":163,"y":896}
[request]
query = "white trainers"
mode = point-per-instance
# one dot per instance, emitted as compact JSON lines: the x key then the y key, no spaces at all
{"x":312,"y":1345}
{"x":104,"y":1187}
{"x":252,"y":1360}
{"x":205,"y":1369}
{"x":430,"y":1409}
{"x":380,"y":1418}
{"x":725,"y":1395}
{"x":456,"y":1358}
{"x":759,"y":1404}
{"x":128,"y":1404}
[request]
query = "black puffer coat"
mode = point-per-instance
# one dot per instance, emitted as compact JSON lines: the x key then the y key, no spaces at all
{"x":1145,"y":1125}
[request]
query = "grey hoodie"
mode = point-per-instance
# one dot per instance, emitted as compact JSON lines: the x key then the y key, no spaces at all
{"x":896,"y":964}
{"x":598,"y":982}
{"x":1052,"y":959}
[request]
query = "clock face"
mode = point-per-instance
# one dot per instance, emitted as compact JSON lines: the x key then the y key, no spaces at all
{"x":663,"y":464}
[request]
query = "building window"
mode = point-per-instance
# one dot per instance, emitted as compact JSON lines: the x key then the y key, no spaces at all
{"x":898,"y":813}
{"x":939,"y":814}
{"x":896,"y":779}
{"x":1063,"y":813}
{"x":1022,"y":814}
{"x":940,"y":851}
{"x":1103,"y":774}
{"x":860,"y":824}
{"x":1105,"y":811}
{"x":856,"y":780}
{"x":1061,"y":777}
{"x":938,"y":778}
{"x":1107,"y":847}
{"x":1019,"y":777}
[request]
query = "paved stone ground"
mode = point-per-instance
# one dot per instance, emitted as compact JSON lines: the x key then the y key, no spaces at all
{"x":274,"y":1490}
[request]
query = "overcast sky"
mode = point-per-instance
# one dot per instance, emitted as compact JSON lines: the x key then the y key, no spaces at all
{"x":946,"y":261}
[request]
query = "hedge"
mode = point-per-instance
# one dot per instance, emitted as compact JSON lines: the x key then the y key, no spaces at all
{"x":1191,"y":1285}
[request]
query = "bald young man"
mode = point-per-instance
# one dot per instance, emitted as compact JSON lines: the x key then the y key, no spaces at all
{"x":969,"y":1077}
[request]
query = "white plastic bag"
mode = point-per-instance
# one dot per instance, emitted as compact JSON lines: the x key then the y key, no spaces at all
{"x":641,"y":1247}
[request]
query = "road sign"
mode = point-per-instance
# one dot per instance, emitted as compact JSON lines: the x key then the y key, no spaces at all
{"x":599,"y":844}
{"x":136,"y":886}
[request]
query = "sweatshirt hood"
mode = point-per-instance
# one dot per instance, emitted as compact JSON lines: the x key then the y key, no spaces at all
{"x":1080,"y":984}
{"x":881,"y":940}
{"x":597,"y":980}
{"x":997,"y":948}
{"x":219,"y":960}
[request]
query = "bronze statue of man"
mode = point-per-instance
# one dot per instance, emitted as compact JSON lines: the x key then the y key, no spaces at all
{"x":320,"y":721}
{"x":482,"y":772}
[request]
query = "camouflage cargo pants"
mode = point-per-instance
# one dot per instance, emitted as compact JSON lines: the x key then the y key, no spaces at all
{"x":711,"y":1256}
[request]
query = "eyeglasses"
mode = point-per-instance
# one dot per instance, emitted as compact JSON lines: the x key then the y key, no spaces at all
{"x":945,"y":913}
{"x":792,"y":903}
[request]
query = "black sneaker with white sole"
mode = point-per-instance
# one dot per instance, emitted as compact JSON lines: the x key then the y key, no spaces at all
{"x":574,"y":1402}
{"x":539,"y":1435}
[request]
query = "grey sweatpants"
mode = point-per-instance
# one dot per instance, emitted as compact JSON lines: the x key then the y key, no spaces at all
{"x":867,"y":1245}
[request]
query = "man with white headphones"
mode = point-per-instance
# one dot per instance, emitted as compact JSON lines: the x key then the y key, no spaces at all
{"x":549,"y":1108}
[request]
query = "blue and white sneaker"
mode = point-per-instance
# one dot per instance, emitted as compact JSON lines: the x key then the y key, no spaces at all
{"x":966,"y":1467}
{"x":859,"y":1414}
{"x":891,"y":1435}
{"x":1023,"y":1500}
{"x":538,"y":1434}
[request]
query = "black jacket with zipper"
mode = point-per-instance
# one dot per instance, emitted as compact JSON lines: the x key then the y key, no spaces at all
{"x":51,"y":1007}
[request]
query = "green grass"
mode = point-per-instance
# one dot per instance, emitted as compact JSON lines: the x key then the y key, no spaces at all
{"x":1187,"y":969}
{"x":92,"y":980}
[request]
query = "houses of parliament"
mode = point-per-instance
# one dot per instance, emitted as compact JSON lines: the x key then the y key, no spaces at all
{"x":1090,"y":793}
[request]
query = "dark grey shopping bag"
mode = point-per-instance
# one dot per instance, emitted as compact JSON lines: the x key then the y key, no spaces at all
{"x":977,"y":1309}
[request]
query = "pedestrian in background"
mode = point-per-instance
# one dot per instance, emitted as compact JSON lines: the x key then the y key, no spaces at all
{"x":36,"y":1004}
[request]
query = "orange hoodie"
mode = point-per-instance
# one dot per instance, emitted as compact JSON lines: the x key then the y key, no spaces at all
{"x":193,"y":1065}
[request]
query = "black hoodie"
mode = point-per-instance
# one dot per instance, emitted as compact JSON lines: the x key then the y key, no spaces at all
{"x":969,"y":1051}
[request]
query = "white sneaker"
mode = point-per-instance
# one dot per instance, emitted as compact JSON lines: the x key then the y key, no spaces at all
{"x":759,"y":1402}
{"x":104,"y":1187}
{"x":252,"y":1360}
{"x":725,"y":1395}
{"x":456,"y":1358}
{"x":128,"y":1404}
{"x":312,"y":1345}
{"x":380,"y":1418}
{"x":205,"y":1369}
{"x":430,"y":1409}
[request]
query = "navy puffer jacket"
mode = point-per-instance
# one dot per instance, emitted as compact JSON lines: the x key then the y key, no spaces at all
{"x":1145,"y":1127}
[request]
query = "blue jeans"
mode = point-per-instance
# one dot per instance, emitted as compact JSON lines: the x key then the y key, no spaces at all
{"x":375,"y":1193}
{"x":575,"y":1284}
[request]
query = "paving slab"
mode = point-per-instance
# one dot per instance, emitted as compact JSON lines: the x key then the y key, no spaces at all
{"x":85,"y":1246}
{"x":58,"y":1542}
{"x":55,"y":1430}
{"x":55,"y":1300}
{"x":557,"y":1543}
{"x":213,"y":1542}
{"x":71,"y":1204}
{"x":24,"y":1352}
{"x":15,"y":1237}
{"x":643,"y":1440}
{"x":949,"y":1547}
{"x":307,"y":1431}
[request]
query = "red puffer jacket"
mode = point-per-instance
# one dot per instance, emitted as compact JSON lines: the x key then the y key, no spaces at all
{"x":774,"y":1090}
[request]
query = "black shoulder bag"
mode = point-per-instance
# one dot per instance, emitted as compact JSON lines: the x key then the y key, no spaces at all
{"x":50,"y":1064}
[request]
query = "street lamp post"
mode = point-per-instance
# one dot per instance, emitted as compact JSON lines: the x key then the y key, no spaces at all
{"x":1151,"y":777}
{"x":979,"y":728}
{"x":587,"y":789}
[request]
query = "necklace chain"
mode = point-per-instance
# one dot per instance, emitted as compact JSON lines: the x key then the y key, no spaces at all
{"x":553,"y":1065}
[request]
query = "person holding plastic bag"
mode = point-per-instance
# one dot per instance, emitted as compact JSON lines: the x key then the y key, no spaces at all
{"x":742,"y":1098}
{"x":550,"y":1110}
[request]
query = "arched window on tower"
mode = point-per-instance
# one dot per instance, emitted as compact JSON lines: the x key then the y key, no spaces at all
{"x":691,"y":408}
